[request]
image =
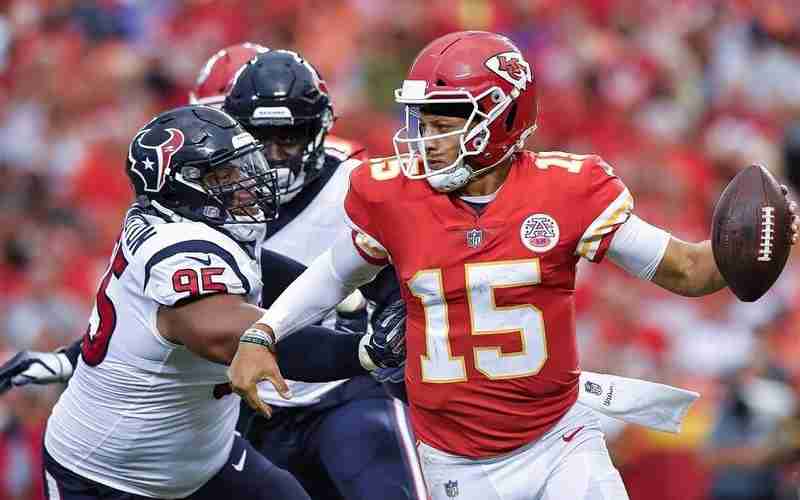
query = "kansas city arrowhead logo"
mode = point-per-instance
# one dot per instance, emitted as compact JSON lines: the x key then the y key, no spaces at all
{"x":512,"y":67}
{"x":151,"y":162}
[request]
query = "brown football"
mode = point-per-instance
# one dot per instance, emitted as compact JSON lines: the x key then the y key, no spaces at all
{"x":751,"y":236}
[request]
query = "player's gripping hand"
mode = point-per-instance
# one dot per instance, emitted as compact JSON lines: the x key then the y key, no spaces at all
{"x":256,"y":361}
{"x":385,"y":346}
{"x":31,"y":367}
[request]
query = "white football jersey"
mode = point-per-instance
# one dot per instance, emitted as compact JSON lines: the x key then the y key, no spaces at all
{"x":307,"y":236}
{"x":140,"y":412}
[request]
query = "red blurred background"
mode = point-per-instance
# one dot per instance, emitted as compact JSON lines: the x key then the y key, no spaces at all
{"x":677,"y":95}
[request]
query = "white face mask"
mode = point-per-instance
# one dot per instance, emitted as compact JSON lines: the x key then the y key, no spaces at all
{"x":410,"y":142}
{"x":289,"y":184}
{"x":452,"y":178}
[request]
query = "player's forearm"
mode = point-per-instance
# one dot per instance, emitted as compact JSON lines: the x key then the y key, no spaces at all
{"x":331,"y":277}
{"x":316,"y":354}
{"x":689,"y":269}
{"x":210,"y":327}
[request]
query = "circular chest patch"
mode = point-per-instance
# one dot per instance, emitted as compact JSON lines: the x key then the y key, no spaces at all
{"x":539,"y":232}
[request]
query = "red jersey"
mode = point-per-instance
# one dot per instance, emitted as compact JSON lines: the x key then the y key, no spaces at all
{"x":492,"y":358}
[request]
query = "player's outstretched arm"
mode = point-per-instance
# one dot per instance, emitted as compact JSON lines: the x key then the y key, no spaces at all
{"x":214,"y":326}
{"x":689,"y":269}
{"x":684,"y":268}
{"x":209,"y":327}
{"x":339,"y":355}
{"x":330,"y":278}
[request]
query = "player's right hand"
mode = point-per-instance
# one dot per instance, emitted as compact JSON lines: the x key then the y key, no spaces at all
{"x":252,"y":364}
{"x":31,"y":367}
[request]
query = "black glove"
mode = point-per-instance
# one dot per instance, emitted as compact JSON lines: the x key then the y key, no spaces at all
{"x":386,"y":345}
{"x":30,"y":367}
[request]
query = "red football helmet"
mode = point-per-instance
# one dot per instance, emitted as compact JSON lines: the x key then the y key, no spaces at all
{"x":477,"y":68}
{"x":218,"y":73}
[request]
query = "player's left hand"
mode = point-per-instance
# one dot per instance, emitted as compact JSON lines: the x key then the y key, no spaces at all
{"x":795,"y":227}
{"x":252,"y":364}
{"x":31,"y":367}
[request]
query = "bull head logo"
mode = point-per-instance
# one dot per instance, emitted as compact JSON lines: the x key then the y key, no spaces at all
{"x":152,"y":162}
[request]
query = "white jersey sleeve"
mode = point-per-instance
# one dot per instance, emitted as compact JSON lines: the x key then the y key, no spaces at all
{"x":191,"y":269}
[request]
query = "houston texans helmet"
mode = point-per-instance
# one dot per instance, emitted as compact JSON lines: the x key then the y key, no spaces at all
{"x":197,"y":163}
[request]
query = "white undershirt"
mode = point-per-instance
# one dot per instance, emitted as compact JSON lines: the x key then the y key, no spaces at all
{"x":481,"y":199}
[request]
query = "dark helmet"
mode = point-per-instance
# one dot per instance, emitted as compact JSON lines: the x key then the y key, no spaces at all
{"x":198,"y":163}
{"x":279,"y":96}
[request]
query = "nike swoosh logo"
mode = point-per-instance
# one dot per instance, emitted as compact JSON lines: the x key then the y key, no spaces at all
{"x":240,"y":466}
{"x":568,"y":437}
{"x":206,"y":261}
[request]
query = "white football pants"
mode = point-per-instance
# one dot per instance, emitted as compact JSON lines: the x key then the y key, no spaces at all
{"x":570,"y":462}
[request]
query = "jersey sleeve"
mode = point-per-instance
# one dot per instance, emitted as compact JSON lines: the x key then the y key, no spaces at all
{"x":607,"y":204}
{"x":346,"y":149}
{"x":192,"y":269}
{"x":359,"y":214}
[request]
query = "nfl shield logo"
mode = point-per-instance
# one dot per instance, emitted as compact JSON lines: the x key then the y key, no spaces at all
{"x":474,"y":238}
{"x":451,"y":488}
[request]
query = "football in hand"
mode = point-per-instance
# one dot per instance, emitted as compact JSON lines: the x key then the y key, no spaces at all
{"x":751,"y":235}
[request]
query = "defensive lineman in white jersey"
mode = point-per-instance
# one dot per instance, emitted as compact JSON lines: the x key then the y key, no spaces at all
{"x":143,"y":414}
{"x":324,"y":419}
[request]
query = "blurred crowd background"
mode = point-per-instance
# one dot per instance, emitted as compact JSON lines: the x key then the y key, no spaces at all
{"x":678,"y":95}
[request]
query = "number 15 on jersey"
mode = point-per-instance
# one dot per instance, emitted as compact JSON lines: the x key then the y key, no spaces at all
{"x":486,"y":318}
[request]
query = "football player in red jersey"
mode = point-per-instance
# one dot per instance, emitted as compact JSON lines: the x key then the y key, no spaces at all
{"x":485,"y":238}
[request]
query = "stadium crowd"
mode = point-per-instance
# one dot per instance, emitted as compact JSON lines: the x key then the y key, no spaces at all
{"x":677,"y":95}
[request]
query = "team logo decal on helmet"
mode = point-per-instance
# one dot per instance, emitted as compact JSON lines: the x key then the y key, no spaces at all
{"x":512,"y":68}
{"x":539,"y":233}
{"x":153,"y":170}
